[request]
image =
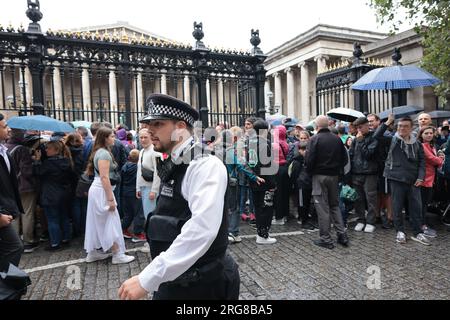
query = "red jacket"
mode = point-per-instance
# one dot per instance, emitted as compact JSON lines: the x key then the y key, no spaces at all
{"x":279,"y":145}
{"x":431,"y":163}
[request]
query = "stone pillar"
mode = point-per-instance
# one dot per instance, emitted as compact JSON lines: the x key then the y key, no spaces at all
{"x":290,"y":92}
{"x":58,"y":88}
{"x":86,"y":93}
{"x":28,"y":86}
{"x":140,"y":92}
{"x":278,"y":94}
{"x":266,"y":96}
{"x":163,"y":83}
{"x":304,"y":87}
{"x":220,"y":95}
{"x":113,"y":96}
{"x":321,"y":63}
{"x":187,"y":89}
{"x":208,"y":94}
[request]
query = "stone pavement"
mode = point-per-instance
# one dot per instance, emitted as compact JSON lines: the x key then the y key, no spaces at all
{"x":373,"y":267}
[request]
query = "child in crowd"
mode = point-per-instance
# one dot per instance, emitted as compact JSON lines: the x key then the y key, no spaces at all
{"x":131,"y":205}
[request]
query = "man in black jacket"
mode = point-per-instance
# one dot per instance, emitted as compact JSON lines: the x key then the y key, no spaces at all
{"x":11,"y":246}
{"x":364,"y":174}
{"x":325,"y":160}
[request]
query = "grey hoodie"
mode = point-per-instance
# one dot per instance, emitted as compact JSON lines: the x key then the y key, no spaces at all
{"x":405,"y":161}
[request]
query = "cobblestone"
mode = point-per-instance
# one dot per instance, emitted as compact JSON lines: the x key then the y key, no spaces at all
{"x":293,"y":268}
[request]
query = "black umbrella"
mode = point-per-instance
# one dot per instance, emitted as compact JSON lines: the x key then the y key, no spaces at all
{"x":439,"y":114}
{"x":400,"y":112}
{"x":345,"y":114}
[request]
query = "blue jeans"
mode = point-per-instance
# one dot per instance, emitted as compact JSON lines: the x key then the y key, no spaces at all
{"x":58,"y":220}
{"x":147,"y":205}
{"x":244,"y":194}
{"x":233,"y":213}
{"x":79,"y":208}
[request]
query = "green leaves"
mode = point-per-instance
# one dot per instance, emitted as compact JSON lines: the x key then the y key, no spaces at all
{"x":431,"y":19}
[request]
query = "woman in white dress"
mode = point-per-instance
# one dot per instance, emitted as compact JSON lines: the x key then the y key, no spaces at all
{"x":103,"y":227}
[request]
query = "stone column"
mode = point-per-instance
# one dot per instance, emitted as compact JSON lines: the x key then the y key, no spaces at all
{"x":29,"y":86}
{"x":304,"y":87}
{"x":208,"y":94}
{"x":266,"y":95}
{"x":140,"y":92}
{"x":113,"y":96}
{"x":58,"y":89}
{"x":278,"y":94}
{"x":290,"y":92}
{"x":163,"y":82}
{"x":220,"y":95}
{"x":321,"y":63}
{"x":86,"y":92}
{"x":187,"y":89}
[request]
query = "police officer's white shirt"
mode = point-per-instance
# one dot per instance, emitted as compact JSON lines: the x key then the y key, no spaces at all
{"x":203,"y":187}
{"x":3,"y":153}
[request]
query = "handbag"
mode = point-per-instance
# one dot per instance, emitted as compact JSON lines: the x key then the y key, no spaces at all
{"x":13,"y":283}
{"x":146,"y":174}
{"x":114,"y":177}
{"x":83,"y":185}
{"x":348,"y":193}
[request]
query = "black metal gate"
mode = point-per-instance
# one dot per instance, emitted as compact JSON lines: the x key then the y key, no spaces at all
{"x":83,"y":76}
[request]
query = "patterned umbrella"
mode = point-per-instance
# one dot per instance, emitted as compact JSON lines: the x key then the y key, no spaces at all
{"x":395,"y":77}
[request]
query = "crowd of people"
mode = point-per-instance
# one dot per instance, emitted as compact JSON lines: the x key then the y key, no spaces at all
{"x":314,"y":174}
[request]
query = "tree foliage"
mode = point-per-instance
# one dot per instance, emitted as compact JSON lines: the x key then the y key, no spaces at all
{"x":431,"y":19}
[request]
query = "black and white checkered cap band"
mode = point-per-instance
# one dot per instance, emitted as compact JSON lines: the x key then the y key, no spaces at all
{"x":167,"y":111}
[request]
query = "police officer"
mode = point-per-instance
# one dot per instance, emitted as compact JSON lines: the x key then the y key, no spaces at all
{"x":187,"y":231}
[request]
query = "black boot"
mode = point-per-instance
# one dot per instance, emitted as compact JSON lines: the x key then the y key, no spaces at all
{"x":343,"y":239}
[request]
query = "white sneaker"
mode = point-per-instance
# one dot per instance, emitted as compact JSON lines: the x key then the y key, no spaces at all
{"x":359,"y":227}
{"x":234,"y":239}
{"x":122,"y":258}
{"x":96,"y":256}
{"x":278,"y":222}
{"x":369,"y":228}
{"x":401,"y":237}
{"x":145,"y":248}
{"x":268,"y":240}
{"x":422,"y":239}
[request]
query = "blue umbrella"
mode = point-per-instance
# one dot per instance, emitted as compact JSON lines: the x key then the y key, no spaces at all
{"x":400,"y":112}
{"x":82,"y":123}
{"x":41,"y":123}
{"x":395,"y":77}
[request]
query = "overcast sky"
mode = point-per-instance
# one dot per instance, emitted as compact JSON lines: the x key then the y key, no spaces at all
{"x":226,"y":23}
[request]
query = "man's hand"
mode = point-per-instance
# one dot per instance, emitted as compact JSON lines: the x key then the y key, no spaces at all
{"x":5,"y":219}
{"x":260,"y":180}
{"x":138,"y":194}
{"x":152,"y":196}
{"x":391,"y":119}
{"x":132,"y":290}
{"x":418,"y":183}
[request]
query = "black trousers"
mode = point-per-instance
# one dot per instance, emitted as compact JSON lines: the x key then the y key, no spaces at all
{"x":304,"y":207}
{"x":263,"y":201}
{"x":282,"y":193}
{"x":224,"y":286}
{"x":11,"y":247}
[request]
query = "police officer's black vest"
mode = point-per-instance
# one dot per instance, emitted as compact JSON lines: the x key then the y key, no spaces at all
{"x":172,"y":212}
